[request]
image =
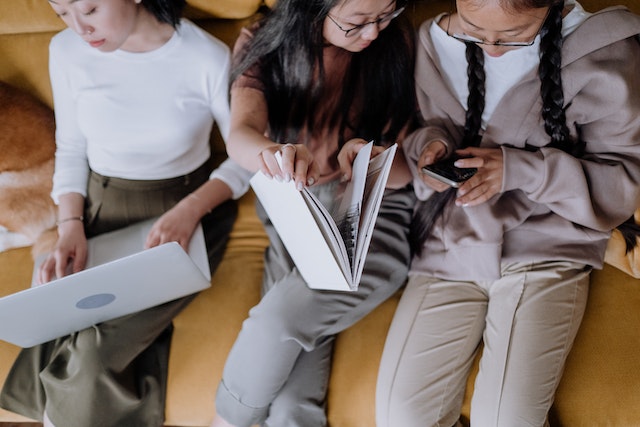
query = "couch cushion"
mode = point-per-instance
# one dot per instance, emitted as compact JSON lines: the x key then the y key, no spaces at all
{"x":16,"y":266}
{"x":230,"y":9}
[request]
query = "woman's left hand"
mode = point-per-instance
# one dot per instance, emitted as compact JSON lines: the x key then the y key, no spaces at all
{"x":175,"y":225}
{"x":487,"y":182}
{"x":348,"y":153}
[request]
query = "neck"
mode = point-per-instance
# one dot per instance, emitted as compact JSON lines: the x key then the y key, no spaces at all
{"x":148,"y":34}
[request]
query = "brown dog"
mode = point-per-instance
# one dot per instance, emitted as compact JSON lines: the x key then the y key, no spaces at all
{"x":27,"y":147}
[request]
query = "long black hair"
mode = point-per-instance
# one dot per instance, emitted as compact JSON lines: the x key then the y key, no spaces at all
{"x":167,"y":11}
{"x":553,"y":114}
{"x":287,"y":46}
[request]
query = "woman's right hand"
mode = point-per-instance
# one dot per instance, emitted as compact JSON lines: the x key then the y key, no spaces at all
{"x":433,"y":152}
{"x":297,"y":164}
{"x":69,"y":254}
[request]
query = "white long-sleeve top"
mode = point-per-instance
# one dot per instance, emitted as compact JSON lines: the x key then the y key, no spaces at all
{"x":139,"y":116}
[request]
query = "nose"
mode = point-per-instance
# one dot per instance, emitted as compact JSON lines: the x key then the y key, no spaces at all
{"x":371,"y":31}
{"x":79,"y":26}
{"x":493,"y":50}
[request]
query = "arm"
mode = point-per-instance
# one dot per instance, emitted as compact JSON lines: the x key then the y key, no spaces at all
{"x":70,"y":251}
{"x":601,"y":189}
{"x":249,"y":146}
{"x":71,"y":171}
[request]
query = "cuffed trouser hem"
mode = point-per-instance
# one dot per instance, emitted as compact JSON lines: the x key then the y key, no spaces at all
{"x":235,"y":412}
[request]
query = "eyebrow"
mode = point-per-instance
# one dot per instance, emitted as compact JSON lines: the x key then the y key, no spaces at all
{"x":358,"y":13}
{"x":508,"y":30}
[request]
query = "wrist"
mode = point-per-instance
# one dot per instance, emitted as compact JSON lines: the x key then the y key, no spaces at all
{"x":79,"y":219}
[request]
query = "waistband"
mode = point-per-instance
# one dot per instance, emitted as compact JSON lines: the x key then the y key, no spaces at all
{"x":198,"y":176}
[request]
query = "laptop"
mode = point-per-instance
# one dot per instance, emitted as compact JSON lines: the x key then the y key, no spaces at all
{"x":121,"y":278}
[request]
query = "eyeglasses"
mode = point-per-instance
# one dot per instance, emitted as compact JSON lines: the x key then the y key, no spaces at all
{"x":353,"y":31}
{"x":470,"y":39}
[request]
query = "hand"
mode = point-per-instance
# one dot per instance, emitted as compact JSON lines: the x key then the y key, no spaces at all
{"x":175,"y":225}
{"x":69,"y":254}
{"x":487,"y":182}
{"x":348,"y":153}
{"x":297,"y":164}
{"x":431,"y":154}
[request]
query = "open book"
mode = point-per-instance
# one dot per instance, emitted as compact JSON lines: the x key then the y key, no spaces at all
{"x":329,"y":248}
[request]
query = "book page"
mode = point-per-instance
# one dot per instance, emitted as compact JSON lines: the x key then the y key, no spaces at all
{"x":377,"y":174}
{"x":348,"y":207}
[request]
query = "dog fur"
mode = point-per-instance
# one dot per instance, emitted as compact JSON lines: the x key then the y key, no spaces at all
{"x":27,"y":148}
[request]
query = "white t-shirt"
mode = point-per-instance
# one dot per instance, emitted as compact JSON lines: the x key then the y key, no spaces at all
{"x":139,"y":116}
{"x":502,"y":72}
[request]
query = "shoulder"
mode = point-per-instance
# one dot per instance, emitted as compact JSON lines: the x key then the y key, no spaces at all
{"x":601,"y":29}
{"x":201,"y":40}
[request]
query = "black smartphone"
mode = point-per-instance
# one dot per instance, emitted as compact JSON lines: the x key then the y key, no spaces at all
{"x":445,"y":171}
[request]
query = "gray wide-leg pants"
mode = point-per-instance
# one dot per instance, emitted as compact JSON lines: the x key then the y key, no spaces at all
{"x":277,"y":371}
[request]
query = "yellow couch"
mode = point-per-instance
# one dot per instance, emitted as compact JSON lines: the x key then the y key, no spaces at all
{"x":601,"y":385}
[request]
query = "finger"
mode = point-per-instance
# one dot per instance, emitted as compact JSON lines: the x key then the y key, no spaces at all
{"x":184,"y":242}
{"x":271,"y":164}
{"x":376,"y":150}
{"x":313,"y":173}
{"x":264,"y":168}
{"x":153,"y":238}
{"x":301,"y":170}
{"x":79,"y":260}
{"x":45,"y":272}
{"x":61,"y":266}
{"x":474,"y":197}
{"x":288,"y":161}
{"x":432,"y":152}
{"x":437,"y":185}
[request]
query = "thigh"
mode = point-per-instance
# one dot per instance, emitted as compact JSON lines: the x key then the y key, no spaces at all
{"x":428,"y":353}
{"x":533,"y":317}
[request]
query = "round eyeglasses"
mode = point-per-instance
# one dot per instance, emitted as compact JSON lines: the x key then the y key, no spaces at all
{"x":470,"y":39}
{"x":383,"y":20}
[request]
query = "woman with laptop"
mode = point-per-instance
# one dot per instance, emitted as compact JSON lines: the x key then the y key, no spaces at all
{"x":133,"y":126}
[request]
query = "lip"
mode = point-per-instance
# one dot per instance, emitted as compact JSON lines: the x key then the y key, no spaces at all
{"x":97,"y":43}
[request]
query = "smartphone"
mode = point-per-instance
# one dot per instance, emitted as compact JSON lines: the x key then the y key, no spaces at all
{"x":445,"y":171}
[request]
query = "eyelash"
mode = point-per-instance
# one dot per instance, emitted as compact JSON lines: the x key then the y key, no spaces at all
{"x":90,"y":12}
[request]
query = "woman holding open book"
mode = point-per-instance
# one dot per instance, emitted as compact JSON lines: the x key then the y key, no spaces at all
{"x":314,"y":81}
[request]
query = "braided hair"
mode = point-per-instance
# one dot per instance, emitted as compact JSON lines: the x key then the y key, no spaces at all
{"x":553,"y":114}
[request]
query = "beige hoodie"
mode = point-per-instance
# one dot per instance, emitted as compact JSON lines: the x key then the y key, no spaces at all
{"x":553,"y":206}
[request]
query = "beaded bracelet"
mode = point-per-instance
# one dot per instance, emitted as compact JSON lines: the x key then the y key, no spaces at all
{"x":72,"y":218}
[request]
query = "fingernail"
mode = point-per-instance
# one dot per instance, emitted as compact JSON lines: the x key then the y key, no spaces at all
{"x":278,"y":178}
{"x":287,"y":177}
{"x":299,"y":186}
{"x":310,"y":181}
{"x":344,"y":178}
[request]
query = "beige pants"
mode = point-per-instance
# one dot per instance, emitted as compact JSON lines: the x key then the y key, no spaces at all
{"x":527,"y":320}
